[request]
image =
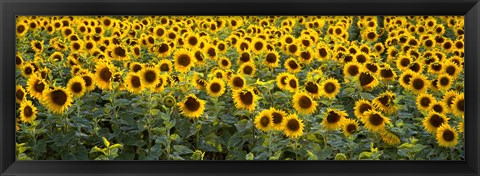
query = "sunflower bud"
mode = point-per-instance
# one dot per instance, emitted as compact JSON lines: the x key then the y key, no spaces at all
{"x":169,"y":101}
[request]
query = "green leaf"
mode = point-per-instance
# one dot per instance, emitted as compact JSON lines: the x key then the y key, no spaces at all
{"x":105,"y":142}
{"x":249,"y":156}
{"x":114,"y":146}
{"x":181,"y":150}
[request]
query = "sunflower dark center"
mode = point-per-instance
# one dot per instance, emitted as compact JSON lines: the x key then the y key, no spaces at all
{"x":451,"y":70}
{"x":28,"y":70}
{"x":365,"y":79}
{"x":289,"y":40}
{"x":271,"y":58}
{"x":211,"y":52}
{"x":361,"y":59}
{"x":163,"y":48}
{"x":258,"y":45}
{"x":461,"y":105}
{"x":88,"y":80}
{"x":192,"y":104}
{"x":215,"y":87}
{"x":330,"y":88}
{"x":135,"y":81}
{"x":247,"y":70}
{"x":371,"y":35}
{"x":224,"y":63}
{"x":293,"y":125}
{"x":77,"y":87}
{"x":292,"y":48}
{"x":459,"y":45}
{"x":76,"y":46}
{"x":105,"y":74}
{"x":59,"y":97}
{"x":20,"y":28}
{"x":425,"y":101}
{"x":160,"y":32}
{"x":305,"y":102}
{"x":283,"y":80}
{"x":415,"y":67}
{"x":418,"y":84}
{"x":306,"y":55}
{"x":238,"y":82}
{"x":277,"y":118}
{"x":311,"y":88}
{"x":353,"y":70}
{"x":375,"y":119}
{"x":192,"y":41}
{"x":245,"y":57}
{"x":322,"y":52}
{"x":292,"y":83}
{"x":384,"y":100}
{"x":437,"y":108}
{"x":405,"y":62}
{"x":436,"y":120}
{"x":333,"y":117}
{"x":351,"y":128}
{"x":372,"y":67}
{"x":406,"y":78}
{"x":292,"y":64}
{"x":428,"y":43}
{"x":221,"y":46}
{"x":386,"y":73}
{"x":436,"y":67}
{"x":18,"y":61}
{"x":38,"y":45}
{"x":119,"y":51}
{"x":264,"y":121}
{"x":447,"y":45}
{"x":246,"y":98}
{"x":19,"y":94}
{"x":184,"y":60}
{"x":163,"y":67}
{"x":150,"y":76}
{"x":444,"y":81}
{"x":39,"y":86}
{"x":28,"y":111}
{"x":448,"y":135}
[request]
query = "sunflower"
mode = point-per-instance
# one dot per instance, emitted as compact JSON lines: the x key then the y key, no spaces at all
{"x":292,"y":65}
{"x":224,"y":63}
{"x":183,"y":60}
{"x":264,"y":121}
{"x":433,"y":120}
{"x":362,"y":106}
{"x":258,"y":45}
{"x":448,"y":98}
{"x":418,"y":84}
{"x":405,"y":77}
{"x":435,"y":67}
{"x":306,"y":55}
{"x":292,"y":49}
{"x":76,"y":46}
{"x":374,"y":121}
{"x":149,"y":77}
{"x":387,"y":73}
{"x":37,"y":46}
{"x":245,"y":99}
{"x":19,"y":61}
{"x":215,"y":87}
{"x":278,"y":117}
{"x":313,"y":89}
{"x":57,"y":100}
{"x":36,"y":86}
{"x":323,"y":52}
{"x":159,"y":31}
{"x":245,"y":57}
{"x":292,"y":126}
{"x":20,"y":94}
{"x":192,"y":107}
{"x":372,"y":67}
{"x":28,"y":70}
{"x":237,"y":82}
{"x":291,"y":83}
{"x":416,"y":67}
{"x":447,"y":136}
{"x":134,"y":83}
{"x":452,"y":69}
{"x":425,"y":101}
{"x":103,"y":75}
{"x":390,"y":138}
{"x":352,"y":69}
{"x":210,"y":52}
{"x":367,"y":80}
{"x":349,"y":126}
{"x":334,"y":119}
{"x":192,"y":40}
{"x":362,"y":58}
{"x":247,"y":69}
{"x":330,"y":88}
{"x":76,"y":86}
{"x":271,"y":59}
{"x":28,"y":112}
{"x":88,"y":78}
{"x":385,"y":102}
{"x":403,"y":62}
{"x":303,"y":103}
{"x":281,"y":80}
{"x":458,"y":106}
{"x":21,"y":29}
{"x":165,"y":66}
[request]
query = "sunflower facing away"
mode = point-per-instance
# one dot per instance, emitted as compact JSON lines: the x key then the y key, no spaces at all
{"x":192,"y":107}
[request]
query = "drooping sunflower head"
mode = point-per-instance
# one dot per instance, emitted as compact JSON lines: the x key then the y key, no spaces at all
{"x":434,"y":120}
{"x":264,"y":121}
{"x":349,"y":126}
{"x":458,"y":106}
{"x":57,"y":100}
{"x":184,"y":60}
{"x":304,"y":103}
{"x":278,"y":117}
{"x":374,"y":121}
{"x":330,"y":88}
{"x":245,"y":99}
{"x":192,"y":107}
{"x":447,"y":136}
{"x":292,"y":126}
{"x":334,"y":119}
{"x":215,"y":87}
{"x":28,"y":112}
{"x":76,"y":86}
{"x":390,"y":138}
{"x":362,"y":106}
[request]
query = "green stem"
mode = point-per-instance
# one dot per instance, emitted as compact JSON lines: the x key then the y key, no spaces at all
{"x":270,"y":143}
{"x":149,"y":120}
{"x":197,"y":141}
{"x":296,"y":152}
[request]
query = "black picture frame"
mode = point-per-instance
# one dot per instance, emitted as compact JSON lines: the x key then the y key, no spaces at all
{"x":10,"y":8}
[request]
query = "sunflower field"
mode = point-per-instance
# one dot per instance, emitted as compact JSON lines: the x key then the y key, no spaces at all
{"x":240,"y":88}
